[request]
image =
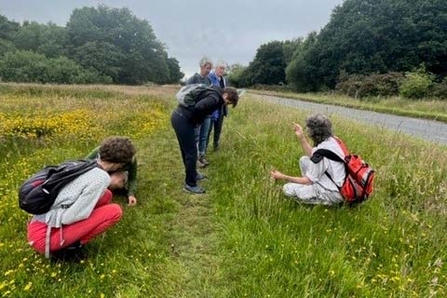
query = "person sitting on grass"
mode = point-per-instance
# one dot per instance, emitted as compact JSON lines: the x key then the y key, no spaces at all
{"x":82,"y":209}
{"x":130,"y":187}
{"x":314,"y":186}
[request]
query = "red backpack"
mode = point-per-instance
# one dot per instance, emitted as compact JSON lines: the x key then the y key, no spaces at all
{"x":359,"y":182}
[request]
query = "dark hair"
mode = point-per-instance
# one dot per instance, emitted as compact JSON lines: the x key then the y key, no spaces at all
{"x":233,"y":96}
{"x":117,"y":150}
{"x":319,"y":128}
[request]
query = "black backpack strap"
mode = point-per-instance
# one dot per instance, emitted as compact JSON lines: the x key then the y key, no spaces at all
{"x":320,"y":153}
{"x":318,"y":156}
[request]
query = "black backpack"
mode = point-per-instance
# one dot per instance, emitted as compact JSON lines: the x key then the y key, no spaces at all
{"x":187,"y":95}
{"x":38,"y":193}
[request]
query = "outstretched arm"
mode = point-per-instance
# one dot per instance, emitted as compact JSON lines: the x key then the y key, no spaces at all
{"x":132,"y":182}
{"x":277,"y":175}
{"x":302,"y":138}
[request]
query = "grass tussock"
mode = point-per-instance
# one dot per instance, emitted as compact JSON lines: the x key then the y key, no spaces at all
{"x":243,"y":238}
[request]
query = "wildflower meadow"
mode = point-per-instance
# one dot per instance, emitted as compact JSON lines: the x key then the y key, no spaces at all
{"x":243,"y":238}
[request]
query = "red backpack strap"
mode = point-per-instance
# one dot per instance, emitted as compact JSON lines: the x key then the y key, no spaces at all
{"x":342,"y":146}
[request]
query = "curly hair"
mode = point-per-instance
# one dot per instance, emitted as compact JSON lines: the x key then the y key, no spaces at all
{"x":319,"y":128}
{"x":233,"y":96}
{"x":117,"y":150}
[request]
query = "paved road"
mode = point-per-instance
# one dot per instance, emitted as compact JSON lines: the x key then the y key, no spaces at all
{"x":433,"y":131}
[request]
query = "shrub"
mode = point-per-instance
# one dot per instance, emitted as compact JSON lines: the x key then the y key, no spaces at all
{"x":360,"y":86}
{"x":30,"y":67}
{"x":440,"y":89}
{"x":416,"y":84}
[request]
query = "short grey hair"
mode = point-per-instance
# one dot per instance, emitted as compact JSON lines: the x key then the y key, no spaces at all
{"x":221,"y":63}
{"x":319,"y":128}
{"x":204,"y":61}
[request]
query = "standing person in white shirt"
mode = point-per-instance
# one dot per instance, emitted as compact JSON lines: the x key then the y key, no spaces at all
{"x":314,"y":186}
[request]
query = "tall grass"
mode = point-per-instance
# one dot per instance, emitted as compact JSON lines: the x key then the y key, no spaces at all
{"x":427,"y":108}
{"x":241,"y":239}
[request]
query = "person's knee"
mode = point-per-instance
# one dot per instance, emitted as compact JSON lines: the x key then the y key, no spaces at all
{"x":114,"y":212}
{"x":289,"y":189}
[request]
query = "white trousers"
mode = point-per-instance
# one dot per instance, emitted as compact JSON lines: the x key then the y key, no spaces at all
{"x":311,"y":194}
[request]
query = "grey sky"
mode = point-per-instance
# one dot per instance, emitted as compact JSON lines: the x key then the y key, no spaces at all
{"x":230,"y":30}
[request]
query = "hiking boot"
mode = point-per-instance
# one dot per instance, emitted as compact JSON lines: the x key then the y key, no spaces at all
{"x":74,"y":253}
{"x":194,"y":189}
{"x":203,"y":161}
{"x":200,"y":177}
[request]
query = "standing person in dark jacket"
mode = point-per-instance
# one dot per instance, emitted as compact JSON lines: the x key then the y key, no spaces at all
{"x":203,"y":130}
{"x":201,"y":77}
{"x":184,"y":120}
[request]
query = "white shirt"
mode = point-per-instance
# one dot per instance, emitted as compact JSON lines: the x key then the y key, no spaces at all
{"x":316,"y":172}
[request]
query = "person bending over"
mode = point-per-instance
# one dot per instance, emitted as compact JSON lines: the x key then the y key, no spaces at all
{"x":184,"y":120}
{"x":82,"y":209}
{"x":130,"y":168}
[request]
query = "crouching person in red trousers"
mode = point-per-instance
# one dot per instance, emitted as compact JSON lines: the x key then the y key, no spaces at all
{"x":82,"y":209}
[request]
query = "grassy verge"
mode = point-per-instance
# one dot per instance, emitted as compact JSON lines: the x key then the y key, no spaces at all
{"x":241,"y":239}
{"x":425,"y":109}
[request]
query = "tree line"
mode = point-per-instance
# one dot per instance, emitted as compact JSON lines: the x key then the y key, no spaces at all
{"x":97,"y":45}
{"x":368,"y":48}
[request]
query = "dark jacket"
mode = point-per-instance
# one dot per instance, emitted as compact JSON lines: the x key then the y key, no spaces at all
{"x":198,"y":79}
{"x":206,"y":102}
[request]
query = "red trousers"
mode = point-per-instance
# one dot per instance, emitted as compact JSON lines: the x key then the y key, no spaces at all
{"x":102,"y":217}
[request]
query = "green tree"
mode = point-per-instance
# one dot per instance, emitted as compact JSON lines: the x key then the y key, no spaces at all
{"x":377,"y":36}
{"x":142,"y":57}
{"x":53,"y":41}
{"x":103,"y":57}
{"x":175,"y":75}
{"x":236,"y":76}
{"x":6,"y":46}
{"x":300,"y":74}
{"x":268,"y":66}
{"x":8,"y":28}
{"x":49,"y":39}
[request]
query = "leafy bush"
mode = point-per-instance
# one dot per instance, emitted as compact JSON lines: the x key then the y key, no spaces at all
{"x":416,"y":84}
{"x":360,"y":86}
{"x":30,"y":67}
{"x":440,"y":89}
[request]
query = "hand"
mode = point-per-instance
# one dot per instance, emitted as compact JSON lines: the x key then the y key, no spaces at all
{"x":132,"y":201}
{"x":276,"y":175}
{"x":298,"y":130}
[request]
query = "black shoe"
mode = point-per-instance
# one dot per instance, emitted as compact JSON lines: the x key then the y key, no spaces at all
{"x":74,"y":253}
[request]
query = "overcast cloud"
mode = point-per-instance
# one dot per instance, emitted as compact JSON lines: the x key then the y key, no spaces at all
{"x":229,"y":30}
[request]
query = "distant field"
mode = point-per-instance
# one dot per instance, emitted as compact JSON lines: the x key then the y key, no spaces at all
{"x":241,"y":239}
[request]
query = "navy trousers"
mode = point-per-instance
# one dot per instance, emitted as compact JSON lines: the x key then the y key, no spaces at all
{"x":185,"y":131}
